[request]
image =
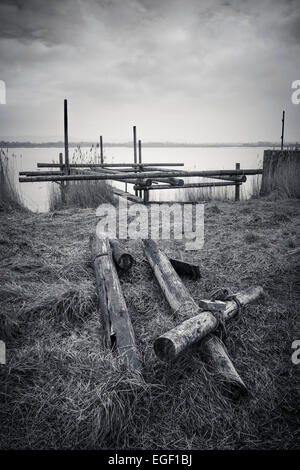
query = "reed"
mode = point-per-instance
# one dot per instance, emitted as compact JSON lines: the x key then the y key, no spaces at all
{"x":10,"y":198}
{"x":81,"y":193}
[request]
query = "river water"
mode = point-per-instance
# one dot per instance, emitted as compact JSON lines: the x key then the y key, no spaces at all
{"x":36,"y":195}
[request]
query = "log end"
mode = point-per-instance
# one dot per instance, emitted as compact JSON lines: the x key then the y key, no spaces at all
{"x":125,"y":261}
{"x":164,"y":349}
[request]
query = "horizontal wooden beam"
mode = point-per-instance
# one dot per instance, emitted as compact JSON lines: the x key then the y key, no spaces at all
{"x":40,"y":173}
{"x":141,"y":175}
{"x":104,"y":165}
{"x":241,"y":178}
{"x":191,"y":185}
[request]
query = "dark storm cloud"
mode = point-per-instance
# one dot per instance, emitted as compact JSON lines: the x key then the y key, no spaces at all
{"x":138,"y":57}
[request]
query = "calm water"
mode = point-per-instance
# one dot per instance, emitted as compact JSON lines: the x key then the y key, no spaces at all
{"x":36,"y":195}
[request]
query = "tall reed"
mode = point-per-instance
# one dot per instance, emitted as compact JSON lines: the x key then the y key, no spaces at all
{"x":10,"y":198}
{"x":81,"y":193}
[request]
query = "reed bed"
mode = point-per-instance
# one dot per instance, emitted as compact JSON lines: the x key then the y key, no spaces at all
{"x":10,"y":198}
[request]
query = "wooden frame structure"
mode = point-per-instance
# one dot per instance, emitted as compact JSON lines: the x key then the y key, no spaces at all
{"x":144,"y":177}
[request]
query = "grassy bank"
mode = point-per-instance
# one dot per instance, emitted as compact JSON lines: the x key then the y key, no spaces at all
{"x":62,"y":389}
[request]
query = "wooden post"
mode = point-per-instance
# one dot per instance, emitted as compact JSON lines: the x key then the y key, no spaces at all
{"x":66,"y":137}
{"x":118,"y":328}
{"x":146,"y":196}
{"x":134,"y":152}
{"x":140,"y":160}
{"x":237,"y":185}
{"x":101,"y":151}
{"x":62,"y":183}
{"x":282,"y":129}
{"x":197,"y":327}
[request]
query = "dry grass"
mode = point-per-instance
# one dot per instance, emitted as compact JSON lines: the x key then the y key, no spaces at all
{"x":284,"y":182}
{"x":62,"y":389}
{"x":9,"y":197}
{"x":81,"y":194}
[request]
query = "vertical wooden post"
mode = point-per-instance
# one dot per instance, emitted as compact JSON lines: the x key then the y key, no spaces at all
{"x":62,"y":183}
{"x":237,"y":185}
{"x":101,"y":150}
{"x":66,"y":137}
{"x":134,"y":151}
{"x":146,"y":196}
{"x":282,"y":129}
{"x":140,"y":160}
{"x":134,"y":145}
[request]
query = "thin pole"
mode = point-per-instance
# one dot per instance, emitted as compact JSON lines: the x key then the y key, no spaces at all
{"x":282,"y":129}
{"x":67,"y":168}
{"x":140,"y":159}
{"x":134,"y":145}
{"x":62,"y":183}
{"x":134,"y":150}
{"x":237,"y":185}
{"x":101,"y":150}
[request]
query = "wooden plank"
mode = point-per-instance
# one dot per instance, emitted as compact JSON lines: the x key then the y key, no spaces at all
{"x":118,"y":328}
{"x":170,"y":344}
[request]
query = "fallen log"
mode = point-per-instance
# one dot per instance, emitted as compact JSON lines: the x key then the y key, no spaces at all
{"x":168,"y":346}
{"x":171,"y":343}
{"x":217,"y":358}
{"x":122,"y":258}
{"x":119,"y":333}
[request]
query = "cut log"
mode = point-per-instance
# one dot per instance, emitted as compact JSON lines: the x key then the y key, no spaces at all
{"x":122,"y":258}
{"x":174,"y":341}
{"x":183,"y":267}
{"x":216,"y":356}
{"x":169,"y":345}
{"x":118,"y":328}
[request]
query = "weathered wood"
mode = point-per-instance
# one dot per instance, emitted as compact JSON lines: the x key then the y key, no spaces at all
{"x":170,"y":344}
{"x":104,"y":165}
{"x":191,"y":185}
{"x":118,"y":328}
{"x":216,"y":356}
{"x":282,"y":129}
{"x":183,"y":267}
{"x":237,"y":185}
{"x":101,"y":150}
{"x":128,"y":196}
{"x":66,"y":137}
{"x":142,"y":175}
{"x":122,"y":258}
{"x":172,"y":181}
{"x":241,"y":178}
{"x":144,"y":183}
{"x":40,"y":173}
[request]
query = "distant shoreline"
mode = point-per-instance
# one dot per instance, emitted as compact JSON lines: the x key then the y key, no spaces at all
{"x":60,"y":144}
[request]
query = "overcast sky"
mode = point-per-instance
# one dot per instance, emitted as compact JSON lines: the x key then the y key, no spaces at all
{"x":181,"y":70}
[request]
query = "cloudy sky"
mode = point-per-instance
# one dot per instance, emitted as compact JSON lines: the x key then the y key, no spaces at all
{"x":181,"y":70}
